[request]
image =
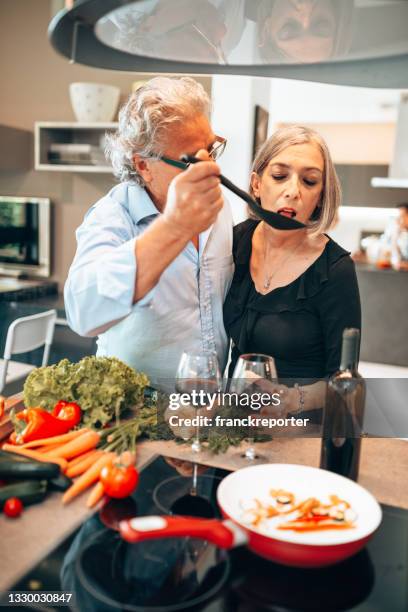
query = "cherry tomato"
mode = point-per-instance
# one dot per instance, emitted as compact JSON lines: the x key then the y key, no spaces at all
{"x":119,"y":480}
{"x":13,"y":507}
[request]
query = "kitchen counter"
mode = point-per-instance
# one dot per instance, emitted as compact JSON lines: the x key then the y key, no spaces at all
{"x":15,"y":289}
{"x":368,"y":267}
{"x":384,"y":465}
{"x":384,"y":296}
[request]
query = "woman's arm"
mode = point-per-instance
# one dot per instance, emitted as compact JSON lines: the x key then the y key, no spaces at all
{"x":339,"y":307}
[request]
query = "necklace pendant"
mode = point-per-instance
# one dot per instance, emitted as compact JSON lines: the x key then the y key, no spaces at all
{"x":267,"y":283}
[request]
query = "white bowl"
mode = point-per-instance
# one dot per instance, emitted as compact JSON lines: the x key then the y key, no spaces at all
{"x":93,"y":102}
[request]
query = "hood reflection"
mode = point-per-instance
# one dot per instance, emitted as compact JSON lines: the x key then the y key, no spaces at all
{"x":245,"y":32}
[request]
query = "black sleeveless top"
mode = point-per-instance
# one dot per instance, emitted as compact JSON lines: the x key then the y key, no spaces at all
{"x":301,"y":324}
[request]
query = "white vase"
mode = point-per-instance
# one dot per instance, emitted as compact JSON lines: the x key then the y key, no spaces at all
{"x":94,"y":102}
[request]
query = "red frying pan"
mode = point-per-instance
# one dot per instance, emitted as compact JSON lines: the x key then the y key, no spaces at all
{"x":237,"y":495}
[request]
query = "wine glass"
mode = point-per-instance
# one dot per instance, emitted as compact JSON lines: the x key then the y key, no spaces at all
{"x":198,"y":372}
{"x":250,"y":368}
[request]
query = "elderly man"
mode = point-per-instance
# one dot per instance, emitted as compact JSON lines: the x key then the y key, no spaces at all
{"x":153,"y":261}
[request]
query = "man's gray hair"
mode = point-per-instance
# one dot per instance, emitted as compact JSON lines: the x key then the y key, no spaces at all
{"x":146,"y":116}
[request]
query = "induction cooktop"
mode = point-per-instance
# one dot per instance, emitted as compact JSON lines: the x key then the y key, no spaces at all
{"x":106,"y":574}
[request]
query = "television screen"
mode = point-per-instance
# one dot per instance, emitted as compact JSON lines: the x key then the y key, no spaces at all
{"x":24,"y":234}
{"x":19,"y":233}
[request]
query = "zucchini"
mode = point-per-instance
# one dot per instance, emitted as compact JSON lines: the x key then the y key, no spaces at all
{"x":28,"y":491}
{"x":11,"y":467}
{"x":60,"y":483}
{"x":6,"y":455}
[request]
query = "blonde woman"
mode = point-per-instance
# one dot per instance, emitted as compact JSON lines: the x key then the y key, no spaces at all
{"x":293,"y":292}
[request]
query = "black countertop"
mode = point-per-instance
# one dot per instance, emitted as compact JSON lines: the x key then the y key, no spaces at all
{"x":105,"y":573}
{"x":15,"y":289}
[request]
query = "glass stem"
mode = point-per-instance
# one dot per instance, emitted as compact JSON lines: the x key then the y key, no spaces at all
{"x":193,"y":490}
{"x":250,"y":451}
{"x":196,"y":445}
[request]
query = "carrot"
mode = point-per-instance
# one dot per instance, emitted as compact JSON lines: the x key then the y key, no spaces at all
{"x":35,"y":455}
{"x":128,"y":458}
{"x":77,"y":446}
{"x":87,"y":478}
{"x":46,"y":449}
{"x":82,"y":466}
{"x":80,"y":458}
{"x":95,"y":495}
{"x":62,"y":439}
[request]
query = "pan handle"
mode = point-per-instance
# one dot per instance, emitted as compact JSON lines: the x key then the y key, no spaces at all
{"x":224,"y":534}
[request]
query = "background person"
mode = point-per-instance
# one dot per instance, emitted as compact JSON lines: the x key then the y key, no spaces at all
{"x":399,"y":249}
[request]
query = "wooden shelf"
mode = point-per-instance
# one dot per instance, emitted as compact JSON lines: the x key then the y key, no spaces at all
{"x":47,"y":133}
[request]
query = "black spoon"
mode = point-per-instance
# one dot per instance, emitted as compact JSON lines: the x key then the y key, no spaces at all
{"x":271,"y":218}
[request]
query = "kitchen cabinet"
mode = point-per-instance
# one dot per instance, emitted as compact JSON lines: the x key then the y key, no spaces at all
{"x":303,"y":102}
{"x":362,"y":144}
{"x":357,"y":123}
{"x":71,"y":147}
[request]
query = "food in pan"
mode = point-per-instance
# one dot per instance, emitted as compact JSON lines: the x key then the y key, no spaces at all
{"x":284,"y":510}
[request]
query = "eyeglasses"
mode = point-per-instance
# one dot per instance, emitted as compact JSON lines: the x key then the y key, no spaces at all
{"x":215,"y":152}
{"x":217,"y":148}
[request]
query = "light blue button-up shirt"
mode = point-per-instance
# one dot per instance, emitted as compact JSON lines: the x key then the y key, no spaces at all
{"x":183,"y":312}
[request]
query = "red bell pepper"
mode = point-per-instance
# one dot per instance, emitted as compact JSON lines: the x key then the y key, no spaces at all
{"x":43,"y":424}
{"x":70,"y":412}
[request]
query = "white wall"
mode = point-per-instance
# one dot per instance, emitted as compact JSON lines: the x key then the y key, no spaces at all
{"x":234,"y":99}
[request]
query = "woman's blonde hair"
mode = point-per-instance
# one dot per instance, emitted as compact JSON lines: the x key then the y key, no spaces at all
{"x":325,"y":213}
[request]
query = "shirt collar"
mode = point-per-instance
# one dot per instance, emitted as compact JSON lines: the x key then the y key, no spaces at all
{"x":141,"y":205}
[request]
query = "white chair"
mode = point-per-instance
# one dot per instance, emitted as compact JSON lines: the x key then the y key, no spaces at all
{"x":26,"y":334}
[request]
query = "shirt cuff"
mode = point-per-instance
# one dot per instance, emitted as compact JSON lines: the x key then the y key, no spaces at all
{"x":116,"y":276}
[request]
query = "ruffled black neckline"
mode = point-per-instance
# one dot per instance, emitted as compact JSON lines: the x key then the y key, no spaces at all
{"x":304,"y":287}
{"x":289,"y":322}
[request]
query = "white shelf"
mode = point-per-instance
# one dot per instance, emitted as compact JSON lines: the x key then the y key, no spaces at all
{"x":47,"y":133}
{"x":77,"y":125}
{"x":393,"y":183}
{"x":74,"y":168}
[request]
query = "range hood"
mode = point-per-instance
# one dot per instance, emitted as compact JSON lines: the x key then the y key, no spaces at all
{"x":345,"y":42}
{"x":398,"y":172}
